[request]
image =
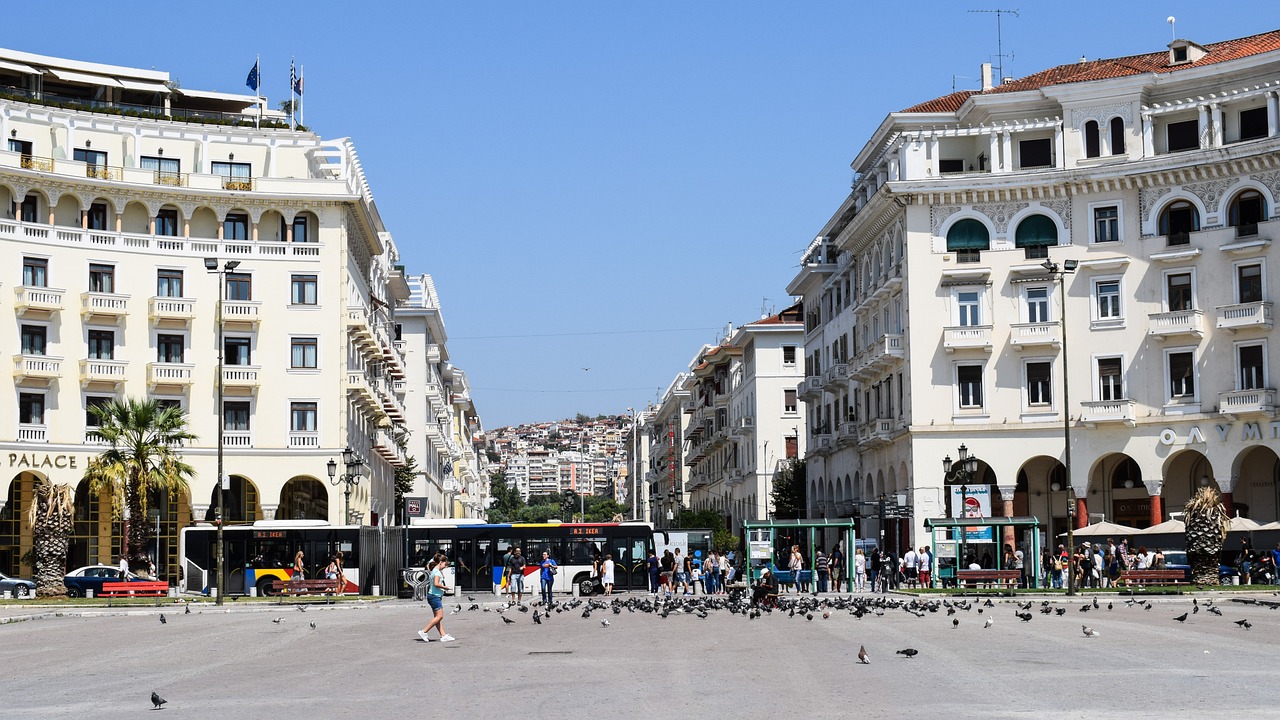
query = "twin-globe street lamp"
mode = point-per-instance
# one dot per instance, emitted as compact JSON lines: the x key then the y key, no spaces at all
{"x":211,"y":266}
{"x":1059,"y":273}
{"x":352,"y":464}
{"x":963,"y":471}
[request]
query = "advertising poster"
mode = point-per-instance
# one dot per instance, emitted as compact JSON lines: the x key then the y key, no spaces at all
{"x":975,"y":502}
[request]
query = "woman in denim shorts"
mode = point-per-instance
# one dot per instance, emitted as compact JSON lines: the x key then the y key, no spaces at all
{"x":435,"y":598}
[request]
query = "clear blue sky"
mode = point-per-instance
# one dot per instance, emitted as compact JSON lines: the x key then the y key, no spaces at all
{"x":577,"y":174}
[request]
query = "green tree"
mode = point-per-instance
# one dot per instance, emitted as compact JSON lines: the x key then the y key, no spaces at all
{"x":506,"y":503}
{"x":405,"y":477}
{"x":721,"y":539}
{"x":142,"y":457}
{"x":789,"y":491}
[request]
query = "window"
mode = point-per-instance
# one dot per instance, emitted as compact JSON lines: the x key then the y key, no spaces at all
{"x":303,"y":353}
{"x":235,"y":227}
{"x":168,"y":171}
{"x":235,"y":176}
{"x":1180,"y":54}
{"x":303,"y":290}
{"x":788,"y":401}
{"x":969,"y":308}
{"x":301,"y":231}
{"x":1252,"y":367}
{"x":1247,"y":210}
{"x":1178,"y":220}
{"x":102,"y":278}
{"x":96,"y":217}
{"x":1249,"y":283}
{"x":1183,"y":135}
{"x":167,"y":222}
{"x":302,"y":417}
{"x":170,"y":348}
{"x":1107,"y":293}
{"x":31,"y":408}
{"x":950,"y":166}
{"x":1039,"y":383}
{"x":239,"y":286}
{"x":1035,"y":234}
{"x":95,"y":160}
{"x":1110,"y":381}
{"x":1037,"y":304}
{"x":30,"y":206}
{"x":20,"y":146}
{"x":35,"y":272}
{"x":235,"y":416}
{"x":34,"y":339}
{"x":1178,"y":289}
{"x":1035,"y":153}
{"x":102,"y":345}
{"x":1092,"y":141}
{"x":1182,"y":383}
{"x":969,"y":385}
{"x":164,"y":403}
{"x":91,"y":402}
{"x":1253,"y":123}
{"x":1117,"y":136}
{"x":1106,"y":224}
{"x":235,"y":350}
{"x":169,"y":283}
{"x":788,"y":354}
{"x":967,"y":238}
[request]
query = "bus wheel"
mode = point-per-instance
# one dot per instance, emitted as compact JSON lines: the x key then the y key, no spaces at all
{"x":267,"y":587}
{"x":586,"y":588}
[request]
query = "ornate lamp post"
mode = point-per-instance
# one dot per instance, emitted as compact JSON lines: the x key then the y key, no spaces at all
{"x":352,"y":464}
{"x":963,"y":471}
{"x":1059,"y":273}
{"x":211,"y":266}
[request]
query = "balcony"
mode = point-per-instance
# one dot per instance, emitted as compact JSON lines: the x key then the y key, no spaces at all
{"x":1176,"y":324}
{"x":433,"y":353}
{"x":240,"y":312}
{"x":968,"y":337}
{"x":810,"y":388}
{"x":1043,"y":334}
{"x":847,"y":434}
{"x":835,"y":375}
{"x":360,"y":389}
{"x":171,"y":308}
{"x":1108,"y":411}
{"x":744,"y":427}
{"x":237,"y":438}
{"x":304,"y":440}
{"x":240,"y":376}
{"x":36,"y":367}
{"x":104,"y":306}
{"x":823,"y":444}
{"x":33,"y":433}
{"x":102,"y":371}
{"x":1245,"y":316}
{"x":163,"y":373}
{"x":875,"y":432}
{"x":1247,"y":402}
{"x":92,"y":438}
{"x":40,"y":300}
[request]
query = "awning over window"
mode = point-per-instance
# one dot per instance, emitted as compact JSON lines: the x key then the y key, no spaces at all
{"x":18,"y":67}
{"x":968,"y":234}
{"x":143,"y":85}
{"x":1036,"y":230}
{"x":87,"y":79}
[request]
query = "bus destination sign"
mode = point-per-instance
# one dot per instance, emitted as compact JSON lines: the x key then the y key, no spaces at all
{"x":268,"y":534}
{"x":584,"y":531}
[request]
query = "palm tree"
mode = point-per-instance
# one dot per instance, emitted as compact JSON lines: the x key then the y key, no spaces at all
{"x":50,"y":517}
{"x":142,"y":458}
{"x":1207,"y":524}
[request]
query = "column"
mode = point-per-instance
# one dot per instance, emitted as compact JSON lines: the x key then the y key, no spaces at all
{"x":1273,"y":109}
{"x":119,"y":222}
{"x":222,"y":226}
{"x":1148,"y":135}
{"x":1006,"y":151}
{"x":1010,"y":535}
{"x":151,"y":225}
{"x":1203,"y":126}
{"x":1227,"y":486}
{"x":1082,"y":512}
{"x":1157,"y":511}
{"x":84,"y":219}
{"x":269,"y":511}
{"x":1059,"y":148}
{"x":255,"y":232}
{"x":934,"y":149}
{"x":993,"y":153}
{"x":1216,"y":136}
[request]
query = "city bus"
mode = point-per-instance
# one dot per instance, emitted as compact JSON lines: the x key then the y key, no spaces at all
{"x":476,"y":551}
{"x":261,"y":553}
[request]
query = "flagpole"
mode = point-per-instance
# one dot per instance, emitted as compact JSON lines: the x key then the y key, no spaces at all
{"x":302,"y":84}
{"x":293,"y":110}
{"x":257,"y":123}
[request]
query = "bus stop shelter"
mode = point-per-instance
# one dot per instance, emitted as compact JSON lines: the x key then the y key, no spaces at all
{"x":964,"y":533}
{"x":763,"y":536}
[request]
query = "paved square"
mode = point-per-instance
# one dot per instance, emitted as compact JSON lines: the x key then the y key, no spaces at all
{"x":367,"y":658}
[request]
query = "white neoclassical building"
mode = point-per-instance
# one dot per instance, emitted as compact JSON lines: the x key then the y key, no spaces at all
{"x":1109,"y":223}
{"x":118,"y":192}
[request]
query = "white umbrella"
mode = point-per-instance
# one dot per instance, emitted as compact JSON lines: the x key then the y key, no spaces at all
{"x":1168,"y":527}
{"x":1243,"y":524}
{"x":1103,"y":528}
{"x":1271,"y":526}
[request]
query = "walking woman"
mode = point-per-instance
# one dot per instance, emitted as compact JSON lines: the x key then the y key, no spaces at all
{"x":860,"y":571}
{"x":435,"y":598}
{"x":299,"y":571}
{"x":606,"y":571}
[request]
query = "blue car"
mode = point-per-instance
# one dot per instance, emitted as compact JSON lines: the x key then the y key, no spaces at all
{"x":91,"y":577}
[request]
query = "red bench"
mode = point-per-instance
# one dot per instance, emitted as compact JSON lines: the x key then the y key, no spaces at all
{"x":306,"y":587}
{"x":145,"y":588}
{"x":1152,"y":577}
{"x":1008,"y":578}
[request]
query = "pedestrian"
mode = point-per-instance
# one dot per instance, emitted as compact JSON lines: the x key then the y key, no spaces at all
{"x":679,"y":580}
{"x":435,"y":598}
{"x":686,"y":573}
{"x":873,"y":566}
{"x":924,"y":562}
{"x":796,"y":566}
{"x":1244,"y":562}
{"x":859,"y":571}
{"x":711,"y":573}
{"x":124,"y":567}
{"x":1141,"y":560}
{"x":655,"y":570}
{"x":822,"y":565}
{"x":514,"y":561}
{"x":299,"y":571}
{"x":606,"y":573}
{"x":1096,"y":567}
{"x":331,"y":570}
{"x":668,"y":571}
{"x":911,"y":566}
{"x":342,"y":574}
{"x":730,"y":567}
{"x":151,"y":568}
{"x":548,"y":577}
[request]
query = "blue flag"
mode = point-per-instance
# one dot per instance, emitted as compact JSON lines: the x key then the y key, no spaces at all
{"x":252,"y":80}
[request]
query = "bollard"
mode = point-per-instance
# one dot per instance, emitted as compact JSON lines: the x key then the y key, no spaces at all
{"x":213,"y":592}
{"x":7,"y":595}
{"x":89,"y":593}
{"x":253,"y":591}
{"x":377,"y":590}
{"x":173,"y":592}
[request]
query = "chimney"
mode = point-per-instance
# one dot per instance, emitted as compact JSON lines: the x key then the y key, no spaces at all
{"x":986,"y":77}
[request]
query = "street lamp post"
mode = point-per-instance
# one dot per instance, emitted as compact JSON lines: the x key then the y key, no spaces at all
{"x":635,"y":466}
{"x":352,"y":462}
{"x":211,"y":266}
{"x":963,"y":471}
{"x":1059,"y":273}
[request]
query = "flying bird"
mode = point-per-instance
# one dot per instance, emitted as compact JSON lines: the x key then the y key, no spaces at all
{"x":863,"y":657}
{"x":1181,"y":618}
{"x":157,"y":701}
{"x":507,"y":621}
{"x":162,"y":620}
{"x":909,"y":652}
{"x":1089,"y":632}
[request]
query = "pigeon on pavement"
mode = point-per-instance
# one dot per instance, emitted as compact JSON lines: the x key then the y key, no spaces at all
{"x":162,"y":620}
{"x":278,"y":620}
{"x":909,"y":652}
{"x":1181,"y":618}
{"x":1089,"y":632}
{"x":507,"y":621}
{"x":863,"y":657}
{"x":157,"y":701}
{"x":988,"y":623}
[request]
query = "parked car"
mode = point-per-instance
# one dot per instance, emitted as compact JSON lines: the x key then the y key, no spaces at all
{"x":91,"y":577}
{"x":17,"y":586}
{"x":1177,"y":560}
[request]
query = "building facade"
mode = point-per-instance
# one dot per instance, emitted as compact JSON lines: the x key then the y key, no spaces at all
{"x":119,"y":192}
{"x":1103,"y":228}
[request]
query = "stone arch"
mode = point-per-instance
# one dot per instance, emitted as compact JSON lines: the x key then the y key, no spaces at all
{"x":136,"y":218}
{"x":242,"y":502}
{"x":1256,"y":490}
{"x":303,"y":497}
{"x":1235,"y":191}
{"x":15,"y":531}
{"x":1182,"y":473}
{"x":271,"y":226}
{"x":95,"y":535}
{"x":968,"y":226}
{"x":1152,"y":221}
{"x":1026,"y":213}
{"x":204,"y":222}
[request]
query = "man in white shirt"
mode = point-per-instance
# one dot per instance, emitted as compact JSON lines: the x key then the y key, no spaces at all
{"x":910,"y":563}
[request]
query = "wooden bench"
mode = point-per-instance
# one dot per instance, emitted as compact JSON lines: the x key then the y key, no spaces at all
{"x":144,"y":588}
{"x":322,"y":586}
{"x":1152,"y":577}
{"x":1007,"y":578}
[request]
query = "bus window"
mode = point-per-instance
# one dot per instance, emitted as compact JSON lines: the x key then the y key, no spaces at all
{"x":581,"y":552}
{"x":420,"y":554}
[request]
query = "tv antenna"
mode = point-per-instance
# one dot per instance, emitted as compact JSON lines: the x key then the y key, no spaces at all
{"x":999,"y":39}
{"x":1173,"y":31}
